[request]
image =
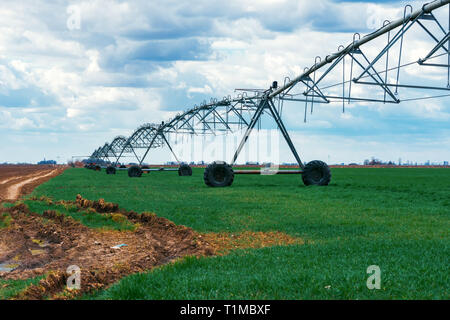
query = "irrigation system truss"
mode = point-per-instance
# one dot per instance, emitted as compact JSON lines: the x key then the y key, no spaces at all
{"x":351,"y":65}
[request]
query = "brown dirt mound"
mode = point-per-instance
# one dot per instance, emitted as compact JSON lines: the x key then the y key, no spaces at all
{"x":100,"y":206}
{"x":53,"y":242}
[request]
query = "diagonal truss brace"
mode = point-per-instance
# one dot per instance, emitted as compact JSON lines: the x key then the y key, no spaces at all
{"x":267,"y":104}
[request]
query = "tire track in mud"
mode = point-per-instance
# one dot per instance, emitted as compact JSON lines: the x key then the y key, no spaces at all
{"x":12,"y":187}
{"x":7,"y":180}
{"x":13,"y":192}
{"x":49,"y":243}
{"x":18,"y":177}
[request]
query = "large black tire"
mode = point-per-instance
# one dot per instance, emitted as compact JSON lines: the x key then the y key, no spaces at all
{"x":316,"y":173}
{"x":134,"y":172}
{"x":184,"y":170}
{"x":218,"y":174}
{"x":111,"y":170}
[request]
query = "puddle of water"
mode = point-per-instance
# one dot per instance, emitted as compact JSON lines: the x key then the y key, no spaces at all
{"x":8,"y":267}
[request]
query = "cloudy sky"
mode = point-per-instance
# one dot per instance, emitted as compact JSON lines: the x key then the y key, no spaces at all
{"x":74,"y":74}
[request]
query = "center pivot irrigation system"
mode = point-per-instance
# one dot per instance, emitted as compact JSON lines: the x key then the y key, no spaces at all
{"x":381,"y":73}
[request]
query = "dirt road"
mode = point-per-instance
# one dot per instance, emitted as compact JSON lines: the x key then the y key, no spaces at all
{"x":18,"y":180}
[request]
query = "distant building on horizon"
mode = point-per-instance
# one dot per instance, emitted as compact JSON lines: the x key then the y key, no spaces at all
{"x":47,"y":162}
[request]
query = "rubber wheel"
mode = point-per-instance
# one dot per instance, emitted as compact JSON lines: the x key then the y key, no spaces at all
{"x":135,"y":172}
{"x":218,"y":174}
{"x":316,"y":173}
{"x":184,"y":170}
{"x":111,"y":170}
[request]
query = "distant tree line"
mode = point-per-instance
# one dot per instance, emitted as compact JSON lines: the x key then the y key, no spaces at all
{"x":374,"y":162}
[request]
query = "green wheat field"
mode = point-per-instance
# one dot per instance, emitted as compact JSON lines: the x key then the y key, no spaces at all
{"x":395,"y":218}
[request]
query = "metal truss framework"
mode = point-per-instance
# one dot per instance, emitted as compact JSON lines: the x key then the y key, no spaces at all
{"x":117,"y":146}
{"x":215,"y":118}
{"x":245,"y":111}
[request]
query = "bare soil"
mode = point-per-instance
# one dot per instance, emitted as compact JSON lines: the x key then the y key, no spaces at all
{"x":50,"y":243}
{"x":18,"y":180}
